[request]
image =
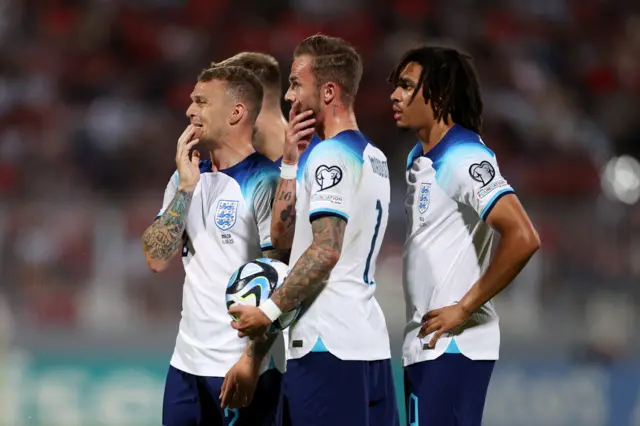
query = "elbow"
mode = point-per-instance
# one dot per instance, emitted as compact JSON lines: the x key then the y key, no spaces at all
{"x":279,"y":240}
{"x":530,"y":242}
{"x":156,"y":265}
{"x":332,"y":256}
{"x":325,"y":256}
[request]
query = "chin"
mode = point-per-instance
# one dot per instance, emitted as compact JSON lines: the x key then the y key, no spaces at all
{"x":402,"y":126}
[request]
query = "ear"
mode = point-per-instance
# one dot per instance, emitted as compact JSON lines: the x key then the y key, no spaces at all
{"x":239,"y":110}
{"x":329,"y":92}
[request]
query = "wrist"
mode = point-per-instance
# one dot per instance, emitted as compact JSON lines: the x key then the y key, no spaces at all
{"x":186,"y":188}
{"x":466,"y":307}
{"x":252,"y":360}
{"x":288,"y":170}
{"x":270,"y":309}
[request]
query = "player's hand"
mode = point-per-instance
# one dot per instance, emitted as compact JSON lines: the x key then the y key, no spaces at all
{"x":249,"y":321}
{"x":298,"y":134}
{"x":240,"y":383}
{"x":188,"y":168}
{"x":443,"y":320}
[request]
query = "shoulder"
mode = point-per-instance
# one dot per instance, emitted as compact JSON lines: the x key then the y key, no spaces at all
{"x":264,"y":170}
{"x":348,"y":145}
{"x":262,"y":176}
{"x":467,"y":165}
{"x":262,"y":166}
{"x":463,"y":147}
{"x":254,"y":167}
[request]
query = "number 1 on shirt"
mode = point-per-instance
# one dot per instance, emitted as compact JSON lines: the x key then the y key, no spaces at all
{"x":376,"y":231}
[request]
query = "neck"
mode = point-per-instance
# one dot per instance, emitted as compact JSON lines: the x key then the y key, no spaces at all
{"x":231,"y":150}
{"x":431,"y":136}
{"x":269,"y":140}
{"x":338,"y":118}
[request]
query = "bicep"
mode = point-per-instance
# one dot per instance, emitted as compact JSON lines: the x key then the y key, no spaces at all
{"x":328,"y":231}
{"x":507,"y":216}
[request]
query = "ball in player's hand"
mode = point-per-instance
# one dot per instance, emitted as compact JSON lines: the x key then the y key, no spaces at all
{"x":254,"y":282}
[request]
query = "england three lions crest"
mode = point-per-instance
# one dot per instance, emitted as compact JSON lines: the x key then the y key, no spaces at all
{"x":424,"y":197}
{"x":226,"y":214}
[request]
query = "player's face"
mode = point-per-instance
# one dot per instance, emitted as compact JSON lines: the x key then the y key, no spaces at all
{"x":416,"y":114}
{"x":302,"y":85}
{"x":208,"y":110}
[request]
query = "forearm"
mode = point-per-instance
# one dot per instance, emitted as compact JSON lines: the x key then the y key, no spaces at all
{"x":512,"y":255}
{"x":283,"y":213}
{"x":163,"y":238}
{"x":307,"y":277}
{"x":257,"y":349}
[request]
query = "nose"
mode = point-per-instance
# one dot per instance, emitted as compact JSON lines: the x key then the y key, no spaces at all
{"x":395,"y":95}
{"x":191,"y":111}
{"x":289,"y":97}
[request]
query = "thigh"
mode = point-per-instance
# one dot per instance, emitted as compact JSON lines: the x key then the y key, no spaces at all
{"x":181,"y":401}
{"x":383,"y":409}
{"x":323,"y":390}
{"x":266,"y":406}
{"x":212,"y":411}
{"x":474,"y":381}
{"x":431,"y":392}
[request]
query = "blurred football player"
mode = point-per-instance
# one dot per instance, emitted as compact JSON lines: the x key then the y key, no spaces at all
{"x":270,"y":124}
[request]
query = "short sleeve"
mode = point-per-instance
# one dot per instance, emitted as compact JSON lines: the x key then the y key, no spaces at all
{"x":263,"y":194}
{"x":169,"y":193}
{"x":473,"y":177}
{"x":333,"y":173}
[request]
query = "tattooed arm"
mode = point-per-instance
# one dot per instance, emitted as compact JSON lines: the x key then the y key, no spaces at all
{"x":241,"y":380}
{"x":257,"y":349}
{"x":314,"y":266}
{"x":283,"y":214}
{"x":305,"y":280}
{"x":164,"y":238}
{"x":300,"y":129}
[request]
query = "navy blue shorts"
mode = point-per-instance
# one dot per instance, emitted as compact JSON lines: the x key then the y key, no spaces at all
{"x":194,"y":401}
{"x":447,"y":391}
{"x":322,"y":390}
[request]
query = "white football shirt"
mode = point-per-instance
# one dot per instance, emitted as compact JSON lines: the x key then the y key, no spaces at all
{"x":345,"y":176}
{"x":228,"y":224}
{"x":451,"y":191}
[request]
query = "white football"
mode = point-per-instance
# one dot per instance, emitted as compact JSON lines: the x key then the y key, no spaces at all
{"x":255,"y":282}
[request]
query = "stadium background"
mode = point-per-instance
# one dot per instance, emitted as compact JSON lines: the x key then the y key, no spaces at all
{"x":92,"y":99}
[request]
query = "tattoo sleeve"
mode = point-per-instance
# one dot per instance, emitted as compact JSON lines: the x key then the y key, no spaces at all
{"x":314,"y":266}
{"x":163,"y":238}
{"x":283,"y":214}
{"x":258,"y":348}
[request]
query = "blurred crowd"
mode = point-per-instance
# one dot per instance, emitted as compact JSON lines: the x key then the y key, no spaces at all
{"x":93,"y":95}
